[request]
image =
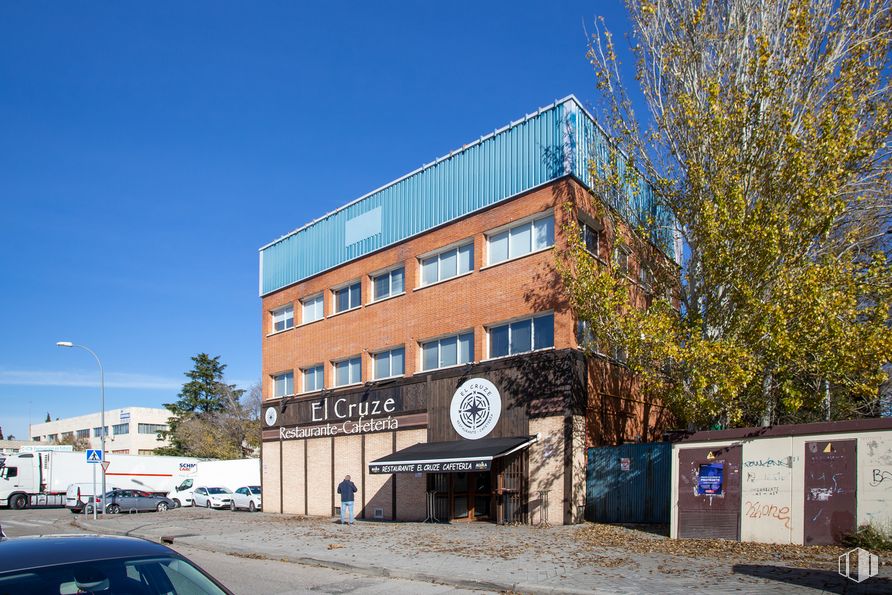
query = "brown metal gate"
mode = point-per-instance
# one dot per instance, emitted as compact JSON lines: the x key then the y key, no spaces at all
{"x":709,"y":492}
{"x":830,"y":490}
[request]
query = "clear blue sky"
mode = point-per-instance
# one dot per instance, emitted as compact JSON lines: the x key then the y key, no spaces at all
{"x":147,"y":150}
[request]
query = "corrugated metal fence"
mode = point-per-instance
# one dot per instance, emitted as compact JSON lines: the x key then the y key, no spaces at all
{"x":629,"y":483}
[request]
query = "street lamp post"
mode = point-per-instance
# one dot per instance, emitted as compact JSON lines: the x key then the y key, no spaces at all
{"x":103,"y":430}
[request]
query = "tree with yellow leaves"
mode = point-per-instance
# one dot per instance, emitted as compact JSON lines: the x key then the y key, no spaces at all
{"x":767,"y":138}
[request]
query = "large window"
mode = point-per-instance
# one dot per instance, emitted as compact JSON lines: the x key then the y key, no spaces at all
{"x":390,"y":363}
{"x":621,"y":256}
{"x":120,"y":429}
{"x":283,"y":384}
{"x":348,"y":371}
{"x":521,"y":336}
{"x":283,"y":318}
{"x":447,"y":264}
{"x":312,"y":309}
{"x":521,"y":239}
{"x":97,"y":431}
{"x":151,"y":428}
{"x":448,"y":351}
{"x":314,"y":378}
{"x":591,"y":238}
{"x":389,"y":283}
{"x":347,"y":298}
{"x":83,"y":433}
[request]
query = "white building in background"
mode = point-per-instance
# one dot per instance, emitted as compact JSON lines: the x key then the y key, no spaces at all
{"x":131,"y":430}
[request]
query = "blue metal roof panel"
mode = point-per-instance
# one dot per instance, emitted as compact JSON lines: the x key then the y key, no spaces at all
{"x":537,"y":149}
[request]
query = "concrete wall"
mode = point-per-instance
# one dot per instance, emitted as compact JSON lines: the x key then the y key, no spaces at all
{"x":773,"y":479}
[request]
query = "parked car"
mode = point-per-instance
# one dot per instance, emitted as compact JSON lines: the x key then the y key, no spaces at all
{"x":246,"y":497}
{"x":211,"y":497}
{"x":131,"y":501}
{"x":99,"y":564}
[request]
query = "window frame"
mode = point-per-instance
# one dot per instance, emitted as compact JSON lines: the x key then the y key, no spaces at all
{"x":115,"y":431}
{"x":282,"y":374}
{"x":274,"y":312}
{"x":303,"y":304}
{"x":351,"y":382}
{"x":335,"y":291}
{"x":508,"y":323}
{"x":624,"y":264}
{"x":457,"y":336}
{"x":389,"y":353}
{"x":529,"y":221}
{"x":588,"y":229}
{"x":438,"y":253}
{"x":303,"y":378}
{"x":373,"y":277}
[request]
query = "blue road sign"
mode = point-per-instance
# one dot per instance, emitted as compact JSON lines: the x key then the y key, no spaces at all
{"x":94,"y":455}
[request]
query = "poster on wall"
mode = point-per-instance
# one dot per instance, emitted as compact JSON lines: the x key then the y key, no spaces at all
{"x":709,"y":480}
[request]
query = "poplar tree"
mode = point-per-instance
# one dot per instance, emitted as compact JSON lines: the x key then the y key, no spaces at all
{"x":766,"y":135}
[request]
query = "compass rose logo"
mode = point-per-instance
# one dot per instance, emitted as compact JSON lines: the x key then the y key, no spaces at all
{"x":476,"y":408}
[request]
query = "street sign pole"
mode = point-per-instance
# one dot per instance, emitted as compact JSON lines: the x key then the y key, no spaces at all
{"x":94,"y":493}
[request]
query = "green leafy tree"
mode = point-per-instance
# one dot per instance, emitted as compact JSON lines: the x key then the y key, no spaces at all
{"x":767,"y":137}
{"x":201,"y":423}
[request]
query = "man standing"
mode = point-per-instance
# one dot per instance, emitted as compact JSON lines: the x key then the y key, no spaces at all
{"x":346,"y":489}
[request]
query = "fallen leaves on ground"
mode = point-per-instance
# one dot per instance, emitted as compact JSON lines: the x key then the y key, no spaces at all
{"x":596,"y":535}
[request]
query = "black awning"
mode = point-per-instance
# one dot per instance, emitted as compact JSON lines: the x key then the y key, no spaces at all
{"x":449,"y":457}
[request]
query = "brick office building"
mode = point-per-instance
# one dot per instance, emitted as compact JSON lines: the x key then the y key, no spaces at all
{"x":417,"y":340}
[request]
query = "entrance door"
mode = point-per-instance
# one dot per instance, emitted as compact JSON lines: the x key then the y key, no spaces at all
{"x":709,"y":492}
{"x":830,"y":490}
{"x":471,"y":495}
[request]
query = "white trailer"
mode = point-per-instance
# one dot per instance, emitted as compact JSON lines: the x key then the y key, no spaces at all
{"x":42,"y":478}
{"x":220,"y":474}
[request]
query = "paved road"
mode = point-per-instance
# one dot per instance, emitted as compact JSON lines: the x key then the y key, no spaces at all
{"x":242,"y":575}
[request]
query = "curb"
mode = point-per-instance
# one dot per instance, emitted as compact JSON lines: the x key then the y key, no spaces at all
{"x":346,"y":566}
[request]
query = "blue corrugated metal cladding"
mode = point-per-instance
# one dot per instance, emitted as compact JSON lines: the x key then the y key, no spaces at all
{"x":629,"y":483}
{"x":555,"y":141}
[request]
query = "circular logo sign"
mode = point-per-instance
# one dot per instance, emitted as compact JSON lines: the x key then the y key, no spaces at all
{"x":270,"y":416}
{"x":476,"y":407}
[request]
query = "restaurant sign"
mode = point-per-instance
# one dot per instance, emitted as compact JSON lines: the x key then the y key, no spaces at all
{"x":463,"y":466}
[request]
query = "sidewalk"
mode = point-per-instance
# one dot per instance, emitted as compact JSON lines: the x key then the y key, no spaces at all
{"x":520,"y":559}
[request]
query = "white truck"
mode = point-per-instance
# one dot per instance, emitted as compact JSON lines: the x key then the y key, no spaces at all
{"x":41,"y":479}
{"x":219,"y":474}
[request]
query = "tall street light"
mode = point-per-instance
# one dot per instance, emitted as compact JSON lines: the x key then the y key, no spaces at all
{"x":103,"y":431}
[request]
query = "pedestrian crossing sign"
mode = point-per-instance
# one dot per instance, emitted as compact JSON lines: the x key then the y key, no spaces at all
{"x":94,"y":455}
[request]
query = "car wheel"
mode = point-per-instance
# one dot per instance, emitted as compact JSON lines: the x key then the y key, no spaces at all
{"x":18,"y":501}
{"x":251,"y":507}
{"x":177,"y":503}
{"x":208,"y":503}
{"x":114,"y":509}
{"x":88,"y":509}
{"x":162,"y":507}
{"x":232,"y":506}
{"x":194,"y":503}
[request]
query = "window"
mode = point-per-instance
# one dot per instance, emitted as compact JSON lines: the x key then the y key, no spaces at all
{"x":67,"y":435}
{"x":645,"y":278}
{"x":448,"y":351}
{"x":591,"y":238}
{"x":621,"y":256}
{"x":283,"y":318}
{"x":348,"y":371}
{"x":313,"y":378}
{"x":120,"y":429}
{"x":283,"y":384}
{"x":521,"y":239}
{"x":145,"y":451}
{"x":522,"y":336}
{"x":97,"y":431}
{"x":83,"y":433}
{"x":52,"y":437}
{"x":585,"y":336}
{"x":151,"y":428}
{"x":312,"y":309}
{"x":390,"y":363}
{"x":347,"y":298}
{"x":389,"y":284}
{"x":447,"y":264}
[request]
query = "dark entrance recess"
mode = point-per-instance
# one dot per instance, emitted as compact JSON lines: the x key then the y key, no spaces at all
{"x":709,"y":492}
{"x":497,"y":496}
{"x":629,"y":483}
{"x":830,"y":490}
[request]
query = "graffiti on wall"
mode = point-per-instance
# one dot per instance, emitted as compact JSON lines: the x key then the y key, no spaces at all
{"x":881,"y":476}
{"x":758,"y":510}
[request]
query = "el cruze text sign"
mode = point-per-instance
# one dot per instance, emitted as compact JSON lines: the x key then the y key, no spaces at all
{"x":333,"y":410}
